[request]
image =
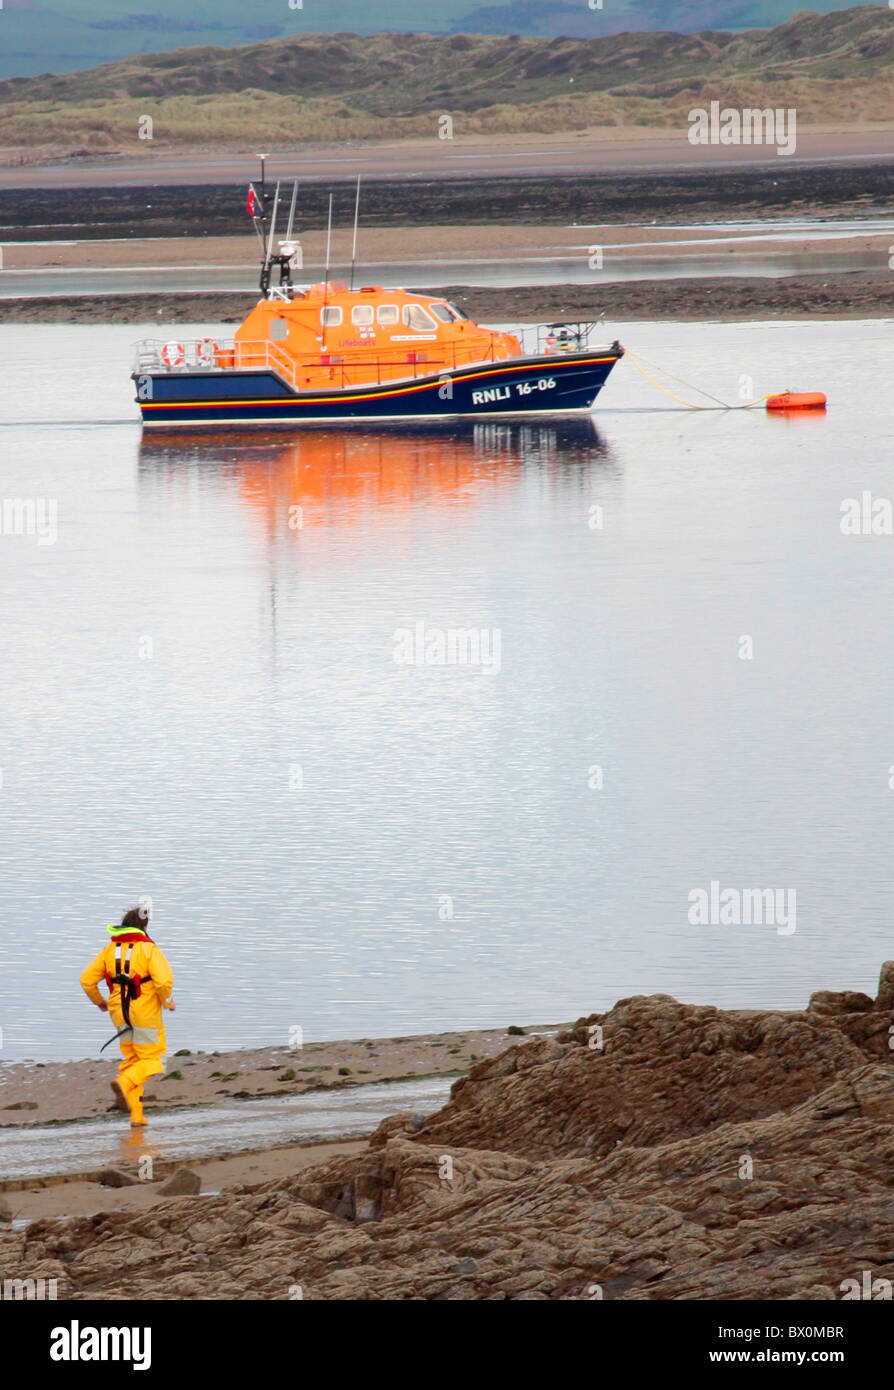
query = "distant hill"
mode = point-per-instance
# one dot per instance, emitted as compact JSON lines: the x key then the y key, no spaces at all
{"x":70,"y":35}
{"x":323,"y":87}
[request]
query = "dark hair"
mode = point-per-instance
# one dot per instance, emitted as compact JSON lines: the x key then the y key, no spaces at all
{"x":135,"y":917}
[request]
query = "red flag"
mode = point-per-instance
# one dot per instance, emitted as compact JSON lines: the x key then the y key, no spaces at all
{"x":254,"y":207}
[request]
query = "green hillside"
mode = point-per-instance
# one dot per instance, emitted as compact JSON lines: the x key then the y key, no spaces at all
{"x":69,"y":35}
{"x":341,"y":86}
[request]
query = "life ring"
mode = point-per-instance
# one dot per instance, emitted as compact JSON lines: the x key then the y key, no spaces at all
{"x":206,"y":350}
{"x":173,"y":354}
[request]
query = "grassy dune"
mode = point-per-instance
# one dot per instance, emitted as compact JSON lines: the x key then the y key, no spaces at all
{"x":322,"y":87}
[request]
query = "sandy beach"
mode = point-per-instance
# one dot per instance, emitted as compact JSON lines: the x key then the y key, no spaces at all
{"x":472,"y":242}
{"x":52,"y":1093}
{"x":39,"y":1094}
{"x":591,"y":150}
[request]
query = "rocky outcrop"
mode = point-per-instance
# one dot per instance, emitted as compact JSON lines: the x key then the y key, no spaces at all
{"x":699,"y":1154}
{"x":651,"y":1071}
{"x":183,"y":1182}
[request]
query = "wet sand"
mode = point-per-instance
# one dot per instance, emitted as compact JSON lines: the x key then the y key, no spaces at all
{"x":475,"y":243}
{"x":87,"y":1197}
{"x":855,"y":294}
{"x":666,"y":195}
{"x":592,"y":150}
{"x":837,"y":270}
{"x":55,"y":1092}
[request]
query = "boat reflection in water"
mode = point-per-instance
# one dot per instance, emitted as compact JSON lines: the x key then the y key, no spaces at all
{"x":326,"y":476}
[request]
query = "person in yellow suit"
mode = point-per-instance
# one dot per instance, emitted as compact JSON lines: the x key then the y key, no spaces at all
{"x":140,"y":982}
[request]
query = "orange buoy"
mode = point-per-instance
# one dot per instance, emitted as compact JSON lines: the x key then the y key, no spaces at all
{"x":797,"y":400}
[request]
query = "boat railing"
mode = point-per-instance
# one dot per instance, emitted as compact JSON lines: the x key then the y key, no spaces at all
{"x":549,"y":339}
{"x":155,"y":355}
{"x":304,"y":372}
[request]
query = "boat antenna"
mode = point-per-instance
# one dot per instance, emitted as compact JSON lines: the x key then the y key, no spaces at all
{"x":267,"y":267}
{"x":259,"y":213}
{"x":329,"y":239}
{"x":292,"y":211}
{"x":328,"y":250}
{"x":273,"y":223}
{"x":356,"y":220}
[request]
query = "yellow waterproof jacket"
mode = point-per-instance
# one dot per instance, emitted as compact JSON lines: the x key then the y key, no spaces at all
{"x":156,"y":984}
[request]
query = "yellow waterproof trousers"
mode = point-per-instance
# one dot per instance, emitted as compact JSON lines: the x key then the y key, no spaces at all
{"x":138,"y":1063}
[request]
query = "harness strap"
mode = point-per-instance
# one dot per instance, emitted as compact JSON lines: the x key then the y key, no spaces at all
{"x":131,"y":987}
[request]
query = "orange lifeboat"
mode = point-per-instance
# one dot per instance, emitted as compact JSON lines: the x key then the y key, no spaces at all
{"x":326,"y":352}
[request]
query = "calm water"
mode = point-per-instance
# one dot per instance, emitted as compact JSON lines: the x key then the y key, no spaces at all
{"x":202,"y":704}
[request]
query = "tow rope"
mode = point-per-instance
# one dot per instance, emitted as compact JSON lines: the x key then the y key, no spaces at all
{"x":690,"y":405}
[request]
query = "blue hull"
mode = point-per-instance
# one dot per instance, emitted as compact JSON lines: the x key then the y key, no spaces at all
{"x":518,"y":386}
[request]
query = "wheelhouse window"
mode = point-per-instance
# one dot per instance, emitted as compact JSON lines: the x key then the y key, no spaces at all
{"x":362,"y":314}
{"x":331,"y":316}
{"x":457,"y":311}
{"x":388,"y":313}
{"x":443,"y":312}
{"x":416,"y":317}
{"x":279,"y":330}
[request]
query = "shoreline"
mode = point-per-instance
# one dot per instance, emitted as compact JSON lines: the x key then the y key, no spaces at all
{"x":36,"y":1094}
{"x":848,"y":294}
{"x":609,"y":1151}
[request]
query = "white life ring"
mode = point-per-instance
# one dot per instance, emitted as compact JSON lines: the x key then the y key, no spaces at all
{"x":173,"y":354}
{"x":206,"y":350}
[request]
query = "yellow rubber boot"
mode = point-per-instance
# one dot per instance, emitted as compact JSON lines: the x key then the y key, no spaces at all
{"x":131,"y":1096}
{"x":132,"y":1080}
